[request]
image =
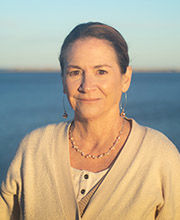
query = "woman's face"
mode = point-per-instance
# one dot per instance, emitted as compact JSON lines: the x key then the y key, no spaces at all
{"x":92,"y":79}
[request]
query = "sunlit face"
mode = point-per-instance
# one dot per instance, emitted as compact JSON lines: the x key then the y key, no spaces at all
{"x":92,"y":79}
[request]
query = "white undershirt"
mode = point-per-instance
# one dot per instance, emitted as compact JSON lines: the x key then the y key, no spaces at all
{"x":84,"y":180}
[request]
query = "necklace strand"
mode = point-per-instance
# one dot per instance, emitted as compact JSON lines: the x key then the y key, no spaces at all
{"x":91,"y":156}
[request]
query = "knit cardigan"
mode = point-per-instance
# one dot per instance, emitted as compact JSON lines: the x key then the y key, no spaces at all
{"x":143,"y":183}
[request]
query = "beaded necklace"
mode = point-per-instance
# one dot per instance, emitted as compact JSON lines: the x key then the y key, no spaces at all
{"x":91,"y":156}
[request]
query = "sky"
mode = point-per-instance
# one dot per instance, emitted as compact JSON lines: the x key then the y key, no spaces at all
{"x":32,"y":32}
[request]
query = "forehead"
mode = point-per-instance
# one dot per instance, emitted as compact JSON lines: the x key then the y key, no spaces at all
{"x":90,"y":42}
{"x":91,"y":48}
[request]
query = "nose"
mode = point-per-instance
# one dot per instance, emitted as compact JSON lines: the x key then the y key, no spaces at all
{"x":87,"y":83}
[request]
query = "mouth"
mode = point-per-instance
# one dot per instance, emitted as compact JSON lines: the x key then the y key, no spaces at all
{"x":88,"y":100}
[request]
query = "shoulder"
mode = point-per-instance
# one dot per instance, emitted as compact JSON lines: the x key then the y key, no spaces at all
{"x":159,"y":141}
{"x":44,"y":135}
{"x":47,"y":130}
{"x":164,"y":150}
{"x":157,"y":146}
{"x":39,"y":143}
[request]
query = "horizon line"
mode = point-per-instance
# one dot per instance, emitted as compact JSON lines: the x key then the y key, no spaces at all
{"x":138,"y":70}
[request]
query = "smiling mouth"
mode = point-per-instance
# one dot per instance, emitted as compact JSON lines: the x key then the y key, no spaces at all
{"x":88,"y":100}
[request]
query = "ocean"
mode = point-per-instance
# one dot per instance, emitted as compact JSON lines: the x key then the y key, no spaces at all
{"x":31,"y":100}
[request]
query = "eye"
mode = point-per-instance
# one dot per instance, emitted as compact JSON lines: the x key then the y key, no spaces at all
{"x":102,"y":72}
{"x":74,"y":73}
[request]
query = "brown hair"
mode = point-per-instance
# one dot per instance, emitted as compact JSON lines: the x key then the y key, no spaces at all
{"x":100,"y":31}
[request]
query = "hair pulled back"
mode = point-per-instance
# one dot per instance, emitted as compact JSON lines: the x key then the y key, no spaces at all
{"x":100,"y":31}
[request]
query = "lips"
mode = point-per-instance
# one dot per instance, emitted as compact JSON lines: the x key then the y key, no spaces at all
{"x":88,"y":99}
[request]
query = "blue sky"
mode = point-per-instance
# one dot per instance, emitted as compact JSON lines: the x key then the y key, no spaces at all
{"x":31,"y":32}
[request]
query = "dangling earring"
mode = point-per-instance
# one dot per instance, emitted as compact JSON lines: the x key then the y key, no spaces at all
{"x":123,"y":106}
{"x":65,"y":114}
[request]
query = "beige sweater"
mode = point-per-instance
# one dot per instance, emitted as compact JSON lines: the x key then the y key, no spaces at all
{"x":143,"y":182}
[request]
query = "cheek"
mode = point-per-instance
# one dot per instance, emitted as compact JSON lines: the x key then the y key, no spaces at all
{"x":115,"y":92}
{"x":70,"y":87}
{"x":112,"y":87}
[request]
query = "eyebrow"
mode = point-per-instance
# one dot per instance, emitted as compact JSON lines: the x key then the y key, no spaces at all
{"x":97,"y":66}
{"x":103,"y":65}
{"x":73,"y":66}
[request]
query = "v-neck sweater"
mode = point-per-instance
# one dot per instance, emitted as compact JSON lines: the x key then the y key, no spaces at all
{"x":143,"y":183}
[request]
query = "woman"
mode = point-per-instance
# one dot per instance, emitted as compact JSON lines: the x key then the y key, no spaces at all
{"x":101,"y":165}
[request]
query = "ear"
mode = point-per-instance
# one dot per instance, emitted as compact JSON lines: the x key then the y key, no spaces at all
{"x":126,"y":79}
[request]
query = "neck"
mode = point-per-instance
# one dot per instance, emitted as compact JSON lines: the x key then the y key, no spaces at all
{"x":95,"y":133}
